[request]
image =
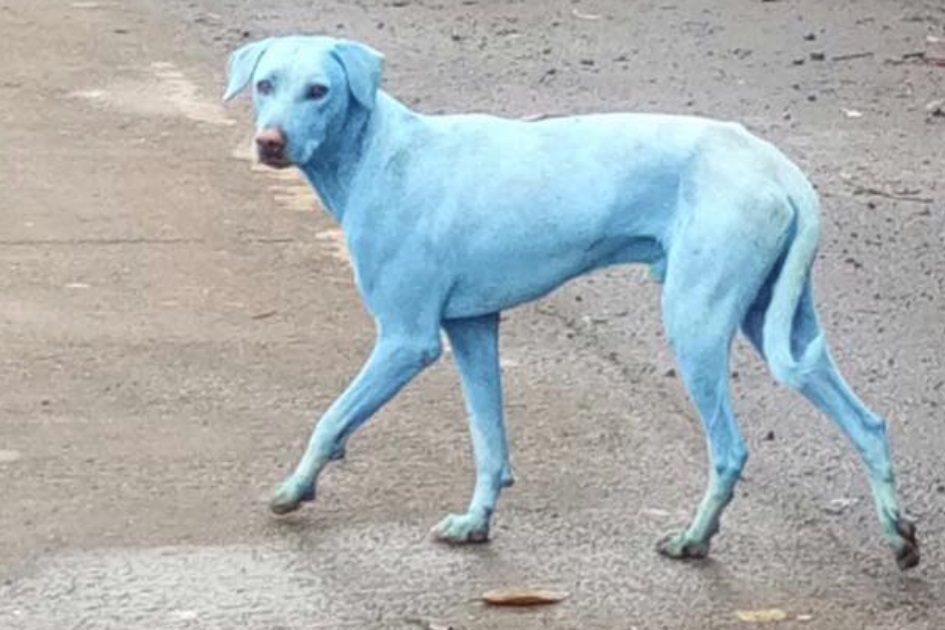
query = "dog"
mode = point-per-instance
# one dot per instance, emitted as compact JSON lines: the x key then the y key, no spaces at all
{"x":451,"y":219}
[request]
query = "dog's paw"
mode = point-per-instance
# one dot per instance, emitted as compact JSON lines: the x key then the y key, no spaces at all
{"x":907,"y":554}
{"x":459,"y":529}
{"x":290,"y":495}
{"x":678,"y":547}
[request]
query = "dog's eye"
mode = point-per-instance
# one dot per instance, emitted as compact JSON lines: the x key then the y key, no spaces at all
{"x":264,"y":86}
{"x":316,"y":91}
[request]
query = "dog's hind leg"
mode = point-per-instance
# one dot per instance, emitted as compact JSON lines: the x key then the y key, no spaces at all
{"x":397,"y":357}
{"x":475,"y":343}
{"x":701,"y":338}
{"x":822,"y":384}
{"x":717,"y":263}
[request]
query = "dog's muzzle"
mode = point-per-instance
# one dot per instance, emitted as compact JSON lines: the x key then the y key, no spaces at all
{"x":270,"y":147}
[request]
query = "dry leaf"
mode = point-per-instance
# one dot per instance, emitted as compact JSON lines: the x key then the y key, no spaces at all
{"x":522,"y":597}
{"x":764,"y":615}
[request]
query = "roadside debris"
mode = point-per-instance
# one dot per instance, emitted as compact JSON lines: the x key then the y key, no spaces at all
{"x":917,"y":56}
{"x":906,"y":194}
{"x":655,"y":512}
{"x":764,"y":615}
{"x":934,"y":53}
{"x":431,"y":625}
{"x":852,"y":113}
{"x":935,"y":50}
{"x":839,"y":506}
{"x":584,"y":16}
{"x":936,"y":108}
{"x":848,"y":57}
{"x":522,"y":597}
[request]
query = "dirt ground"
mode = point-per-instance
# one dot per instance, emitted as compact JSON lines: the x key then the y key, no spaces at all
{"x":172,"y":319}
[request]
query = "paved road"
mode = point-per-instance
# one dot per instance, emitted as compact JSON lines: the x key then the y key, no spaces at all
{"x":172,"y":319}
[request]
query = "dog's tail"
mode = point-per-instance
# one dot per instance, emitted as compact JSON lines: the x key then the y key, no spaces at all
{"x":788,"y":288}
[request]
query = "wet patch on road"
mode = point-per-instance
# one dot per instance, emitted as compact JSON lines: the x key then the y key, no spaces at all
{"x":170,"y":93}
{"x":9,"y":456}
{"x":166,"y":91}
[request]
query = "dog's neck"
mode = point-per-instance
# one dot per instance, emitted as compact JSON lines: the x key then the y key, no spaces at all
{"x":335,"y":164}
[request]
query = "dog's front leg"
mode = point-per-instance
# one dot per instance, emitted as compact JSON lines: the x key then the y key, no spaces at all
{"x":397,"y":357}
{"x":476,"y":353}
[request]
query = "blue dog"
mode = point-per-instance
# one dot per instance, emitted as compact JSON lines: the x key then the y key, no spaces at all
{"x":451,"y":219}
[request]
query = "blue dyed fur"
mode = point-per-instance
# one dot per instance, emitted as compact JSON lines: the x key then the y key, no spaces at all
{"x":451,"y":219}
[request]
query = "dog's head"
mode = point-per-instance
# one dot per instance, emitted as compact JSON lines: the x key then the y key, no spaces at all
{"x":304,"y":90}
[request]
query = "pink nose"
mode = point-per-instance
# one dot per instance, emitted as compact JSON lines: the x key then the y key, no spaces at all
{"x":270,"y":142}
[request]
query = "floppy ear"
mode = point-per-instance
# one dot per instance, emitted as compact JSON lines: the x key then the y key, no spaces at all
{"x":362,"y":66}
{"x":242,"y":64}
